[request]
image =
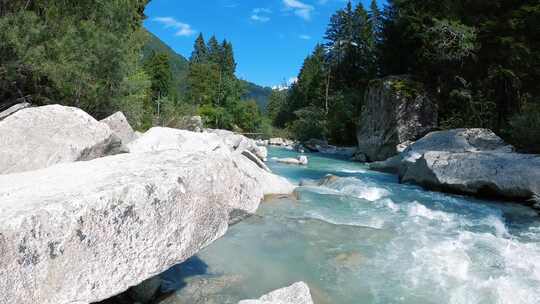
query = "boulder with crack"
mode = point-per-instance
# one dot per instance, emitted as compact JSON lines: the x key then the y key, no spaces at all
{"x":83,"y":232}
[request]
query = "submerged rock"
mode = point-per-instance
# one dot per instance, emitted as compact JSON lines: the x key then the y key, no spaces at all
{"x":85,"y":231}
{"x":35,"y":138}
{"x":298,"y":293}
{"x":397,"y":110}
{"x":119,"y":125}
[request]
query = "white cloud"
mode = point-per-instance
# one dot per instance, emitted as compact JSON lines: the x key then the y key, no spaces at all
{"x":305,"y":37}
{"x":182,"y":29}
{"x":260,"y":15}
{"x":300,"y":9}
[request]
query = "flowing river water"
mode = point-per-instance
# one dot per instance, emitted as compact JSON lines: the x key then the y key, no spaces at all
{"x":369,"y":239}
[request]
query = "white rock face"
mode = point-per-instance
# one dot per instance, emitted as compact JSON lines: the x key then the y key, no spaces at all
{"x":119,"y":124}
{"x":82,"y":232}
{"x":509,"y":175}
{"x":298,"y":293}
{"x":159,"y":139}
{"x":269,"y":183}
{"x":36,"y":138}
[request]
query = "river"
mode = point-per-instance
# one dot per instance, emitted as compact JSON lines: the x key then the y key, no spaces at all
{"x":370,"y":239}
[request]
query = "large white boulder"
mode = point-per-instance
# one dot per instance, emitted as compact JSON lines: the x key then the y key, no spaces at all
{"x":159,"y":139}
{"x":35,"y":138}
{"x":120,"y":126}
{"x":82,"y":232}
{"x":507,"y":175}
{"x":298,"y":293}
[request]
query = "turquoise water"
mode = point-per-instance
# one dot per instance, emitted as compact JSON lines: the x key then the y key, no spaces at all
{"x":368,"y":239}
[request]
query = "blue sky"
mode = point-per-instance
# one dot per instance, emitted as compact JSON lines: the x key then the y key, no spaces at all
{"x":271,"y":38}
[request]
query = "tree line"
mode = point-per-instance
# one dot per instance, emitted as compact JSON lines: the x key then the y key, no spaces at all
{"x":478,"y":60}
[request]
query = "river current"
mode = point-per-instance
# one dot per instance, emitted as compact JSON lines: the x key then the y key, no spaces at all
{"x":369,"y":239}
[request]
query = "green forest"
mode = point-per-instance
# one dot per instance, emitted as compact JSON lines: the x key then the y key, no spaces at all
{"x":478,"y":59}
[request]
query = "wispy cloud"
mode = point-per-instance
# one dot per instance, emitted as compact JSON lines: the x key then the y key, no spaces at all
{"x":305,"y":37}
{"x":182,"y":29}
{"x":299,"y":8}
{"x":260,"y":15}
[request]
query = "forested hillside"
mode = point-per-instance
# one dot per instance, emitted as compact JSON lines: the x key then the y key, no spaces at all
{"x":177,"y":63}
{"x":478,"y":59}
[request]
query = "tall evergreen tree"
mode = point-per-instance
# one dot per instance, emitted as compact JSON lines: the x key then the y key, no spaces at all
{"x":200,"y":51}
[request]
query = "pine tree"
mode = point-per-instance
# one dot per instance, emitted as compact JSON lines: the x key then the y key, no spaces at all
{"x":200,"y":51}
{"x":215,"y":52}
{"x":229,"y":63}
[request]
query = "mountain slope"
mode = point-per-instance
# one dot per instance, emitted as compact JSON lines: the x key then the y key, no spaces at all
{"x":179,"y":64}
{"x":258,"y":93}
{"x":179,"y":68}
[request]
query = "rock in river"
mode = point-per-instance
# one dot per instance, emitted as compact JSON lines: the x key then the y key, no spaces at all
{"x":83,"y":232}
{"x":35,"y":138}
{"x":298,"y":293}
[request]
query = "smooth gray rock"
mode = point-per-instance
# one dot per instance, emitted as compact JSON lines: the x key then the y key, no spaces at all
{"x":13,"y":109}
{"x":498,"y":174}
{"x":159,"y":139}
{"x":455,"y":140}
{"x":298,"y":293}
{"x":82,"y":232}
{"x":35,"y":138}
{"x":120,"y":126}
{"x":397,"y":110}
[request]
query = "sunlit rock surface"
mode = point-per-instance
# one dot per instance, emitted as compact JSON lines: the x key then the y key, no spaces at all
{"x":35,"y":138}
{"x":86,"y":231}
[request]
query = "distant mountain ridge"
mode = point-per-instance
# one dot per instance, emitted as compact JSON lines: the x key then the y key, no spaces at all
{"x":179,"y":66}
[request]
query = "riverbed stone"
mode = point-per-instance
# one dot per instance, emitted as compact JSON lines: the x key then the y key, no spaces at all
{"x":83,"y":232}
{"x":397,"y":109}
{"x":39,"y":137}
{"x":493,"y":174}
{"x":297,"y":293}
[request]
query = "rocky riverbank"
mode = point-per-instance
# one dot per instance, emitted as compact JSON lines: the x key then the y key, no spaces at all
{"x":89,"y":209}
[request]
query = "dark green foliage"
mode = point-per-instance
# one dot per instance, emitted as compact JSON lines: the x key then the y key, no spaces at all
{"x":78,"y":53}
{"x":525,"y":129}
{"x":255,"y":92}
{"x":158,"y":68}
